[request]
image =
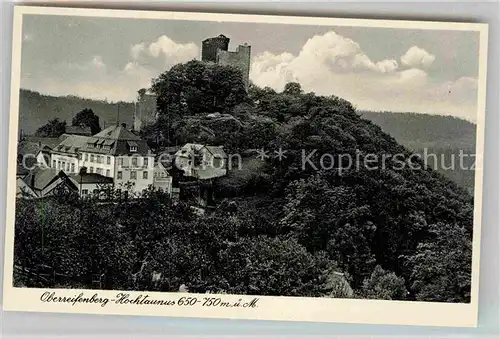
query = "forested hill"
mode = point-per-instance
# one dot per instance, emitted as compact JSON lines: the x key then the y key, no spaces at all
{"x":286,"y":225}
{"x":413,"y":130}
{"x":36,"y":109}
{"x":443,"y":135}
{"x":417,"y":131}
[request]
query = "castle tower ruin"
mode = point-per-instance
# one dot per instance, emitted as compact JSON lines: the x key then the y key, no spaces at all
{"x":217,"y":50}
{"x":211,"y":46}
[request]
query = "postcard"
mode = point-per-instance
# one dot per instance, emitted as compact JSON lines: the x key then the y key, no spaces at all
{"x":245,"y":166}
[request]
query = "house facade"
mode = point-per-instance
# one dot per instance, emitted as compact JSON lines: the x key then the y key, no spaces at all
{"x":201,"y":161}
{"x":115,"y":153}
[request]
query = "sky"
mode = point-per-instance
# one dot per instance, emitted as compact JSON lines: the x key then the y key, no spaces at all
{"x":399,"y":70}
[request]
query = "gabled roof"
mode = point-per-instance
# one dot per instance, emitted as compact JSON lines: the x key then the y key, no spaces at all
{"x":116,"y":133}
{"x":187,"y":149}
{"x":39,"y":178}
{"x":72,"y":143}
{"x":114,"y":140}
{"x":42,"y":142}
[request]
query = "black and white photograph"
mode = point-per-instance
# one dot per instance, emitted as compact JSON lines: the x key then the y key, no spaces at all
{"x":246,"y":158}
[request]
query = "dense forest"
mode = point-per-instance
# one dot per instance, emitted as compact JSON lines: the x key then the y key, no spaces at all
{"x":444,"y":136}
{"x":279,"y":227}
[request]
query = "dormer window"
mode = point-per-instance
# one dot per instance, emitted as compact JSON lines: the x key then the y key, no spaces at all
{"x":132,"y":146}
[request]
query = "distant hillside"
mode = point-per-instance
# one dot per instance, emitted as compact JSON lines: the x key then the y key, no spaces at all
{"x":444,"y":136}
{"x":417,"y":131}
{"x":36,"y":109}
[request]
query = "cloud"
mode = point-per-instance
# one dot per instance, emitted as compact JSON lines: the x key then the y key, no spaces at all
{"x":95,"y":80}
{"x":417,"y":57}
{"x":166,"y":49}
{"x":137,"y":50}
{"x":332,"y":64}
{"x":327,"y":64}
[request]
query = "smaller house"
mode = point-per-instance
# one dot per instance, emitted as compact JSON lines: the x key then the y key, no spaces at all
{"x":201,"y":161}
{"x":91,"y":183}
{"x":161,"y":179}
{"x":44,"y":182}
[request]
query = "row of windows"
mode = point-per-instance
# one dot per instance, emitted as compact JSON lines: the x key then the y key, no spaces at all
{"x":99,"y":171}
{"x":133,"y":175}
{"x":97,"y":158}
{"x":64,"y":166}
{"x":145,"y":161}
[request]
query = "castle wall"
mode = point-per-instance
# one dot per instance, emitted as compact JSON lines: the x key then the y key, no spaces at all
{"x":145,"y":111}
{"x":239,"y":58}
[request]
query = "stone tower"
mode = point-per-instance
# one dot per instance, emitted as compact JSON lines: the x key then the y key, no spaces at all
{"x":211,"y":46}
{"x":239,"y":58}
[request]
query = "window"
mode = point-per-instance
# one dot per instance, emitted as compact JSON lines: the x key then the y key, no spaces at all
{"x":133,"y":175}
{"x":107,"y":173}
{"x":146,"y":162}
{"x":217,"y":162}
{"x":145,"y":174}
{"x":91,"y":158}
{"x":119,"y":175}
{"x":85,"y":192}
{"x":120,"y":161}
{"x":72,"y":168}
{"x":134,"y":161}
{"x":58,"y":164}
{"x":98,"y":170}
{"x":86,"y":157}
{"x":54,"y":163}
{"x":98,"y":159}
{"x":67,"y":167}
{"x":133,"y":148}
{"x":91,"y":169}
{"x":108,"y":160}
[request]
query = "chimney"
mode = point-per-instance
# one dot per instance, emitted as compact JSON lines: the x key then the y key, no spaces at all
{"x":124,"y":125}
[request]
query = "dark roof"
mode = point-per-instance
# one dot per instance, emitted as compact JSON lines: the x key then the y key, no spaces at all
{"x":91,"y":178}
{"x":49,"y":142}
{"x":78,"y":130}
{"x":72,"y":143}
{"x":118,"y":138}
{"x":116,"y":133}
{"x":40,"y":178}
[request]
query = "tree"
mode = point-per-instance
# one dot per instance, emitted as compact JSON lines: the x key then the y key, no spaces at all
{"x":275,"y":266}
{"x":384,"y":285}
{"x":53,"y":129}
{"x":87,"y":118}
{"x":442,"y":265}
{"x":292,"y":88}
{"x":196,"y":87}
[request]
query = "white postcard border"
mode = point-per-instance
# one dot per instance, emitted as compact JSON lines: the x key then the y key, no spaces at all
{"x":268,"y":308}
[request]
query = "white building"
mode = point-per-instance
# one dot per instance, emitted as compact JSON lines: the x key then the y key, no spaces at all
{"x":201,"y":161}
{"x":114,"y":152}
